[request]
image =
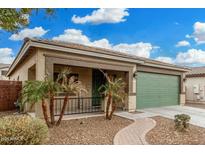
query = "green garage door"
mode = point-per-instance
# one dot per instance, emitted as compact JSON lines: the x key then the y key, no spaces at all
{"x":155,"y":90}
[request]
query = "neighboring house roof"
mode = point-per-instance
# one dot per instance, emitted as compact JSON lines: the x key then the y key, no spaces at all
{"x":2,"y":66}
{"x":196,"y":72}
{"x":90,"y":51}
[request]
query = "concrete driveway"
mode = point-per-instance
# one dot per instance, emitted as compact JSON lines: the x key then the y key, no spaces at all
{"x":197,"y":115}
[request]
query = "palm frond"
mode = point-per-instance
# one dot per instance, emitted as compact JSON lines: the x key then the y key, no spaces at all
{"x":114,"y":88}
{"x":70,"y":85}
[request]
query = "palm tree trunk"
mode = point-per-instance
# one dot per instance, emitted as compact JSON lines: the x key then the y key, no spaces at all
{"x":45,"y":112}
{"x":113,"y":110}
{"x":52,"y":110}
{"x":62,"y":110}
{"x":108,"y":106}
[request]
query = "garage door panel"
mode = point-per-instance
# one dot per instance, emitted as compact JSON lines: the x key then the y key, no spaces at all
{"x":154,"y":90}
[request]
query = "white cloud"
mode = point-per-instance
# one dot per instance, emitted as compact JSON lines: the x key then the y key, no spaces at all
{"x":72,"y":35}
{"x":103,"y":43}
{"x":192,"y":56}
{"x":199,"y":33}
{"x":76,"y":36}
{"x":6,"y":55}
{"x":188,"y":36}
{"x":99,"y":16}
{"x":35,"y":32}
{"x":165,"y":59}
{"x":182,"y":43}
{"x":139,"y":49}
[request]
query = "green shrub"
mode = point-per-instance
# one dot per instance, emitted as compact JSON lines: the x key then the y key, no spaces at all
{"x":182,"y":122}
{"x":22,"y":129}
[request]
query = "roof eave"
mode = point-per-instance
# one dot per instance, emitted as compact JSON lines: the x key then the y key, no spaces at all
{"x":54,"y":46}
{"x":182,"y":69}
{"x":22,"y":51}
{"x":86,"y":52}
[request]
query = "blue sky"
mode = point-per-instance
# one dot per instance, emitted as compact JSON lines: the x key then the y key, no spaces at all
{"x":170,"y":35}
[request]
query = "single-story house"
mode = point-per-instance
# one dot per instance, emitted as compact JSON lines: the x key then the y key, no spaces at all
{"x":3,"y":70}
{"x":150,"y":83}
{"x":195,"y":85}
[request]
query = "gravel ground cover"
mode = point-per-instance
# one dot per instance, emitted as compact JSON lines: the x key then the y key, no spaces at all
{"x":5,"y":113}
{"x":164,"y":133}
{"x":95,"y":130}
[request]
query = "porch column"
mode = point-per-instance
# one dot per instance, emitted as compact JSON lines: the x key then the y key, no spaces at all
{"x":40,"y":75}
{"x":182,"y":95}
{"x":132,"y":91}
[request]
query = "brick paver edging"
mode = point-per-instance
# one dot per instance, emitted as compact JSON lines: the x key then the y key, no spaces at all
{"x":134,"y":134}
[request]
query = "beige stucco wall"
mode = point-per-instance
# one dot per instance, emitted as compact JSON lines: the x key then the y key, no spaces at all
{"x":21,"y":72}
{"x":190,"y":95}
{"x":40,"y":75}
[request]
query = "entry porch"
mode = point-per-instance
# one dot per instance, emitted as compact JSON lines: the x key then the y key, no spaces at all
{"x":92,"y":100}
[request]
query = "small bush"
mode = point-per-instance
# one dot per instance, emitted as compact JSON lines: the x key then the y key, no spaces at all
{"x":22,"y":129}
{"x":182,"y":122}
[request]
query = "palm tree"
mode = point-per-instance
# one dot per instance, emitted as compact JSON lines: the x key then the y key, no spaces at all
{"x":113,"y":90}
{"x":52,"y":87}
{"x":38,"y":91}
{"x":70,"y":86}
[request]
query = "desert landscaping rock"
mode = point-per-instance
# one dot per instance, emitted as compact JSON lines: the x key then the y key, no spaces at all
{"x":6,"y":113}
{"x":95,"y":130}
{"x":165,"y":133}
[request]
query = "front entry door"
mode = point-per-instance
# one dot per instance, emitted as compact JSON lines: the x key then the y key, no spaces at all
{"x":98,"y":79}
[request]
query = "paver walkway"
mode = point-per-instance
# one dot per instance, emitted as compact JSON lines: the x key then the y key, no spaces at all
{"x":134,"y":134}
{"x":197,"y":115}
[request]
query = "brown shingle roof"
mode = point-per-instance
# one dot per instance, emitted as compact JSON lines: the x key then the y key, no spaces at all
{"x":196,"y":72}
